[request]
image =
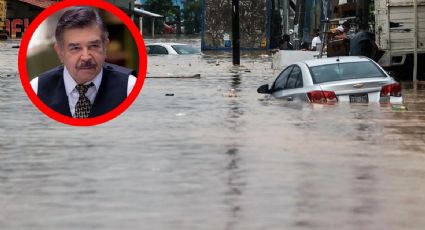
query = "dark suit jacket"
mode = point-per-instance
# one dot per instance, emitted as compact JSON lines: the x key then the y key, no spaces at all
{"x":112,"y":91}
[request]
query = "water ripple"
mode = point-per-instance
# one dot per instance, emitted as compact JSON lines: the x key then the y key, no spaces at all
{"x":202,"y":159}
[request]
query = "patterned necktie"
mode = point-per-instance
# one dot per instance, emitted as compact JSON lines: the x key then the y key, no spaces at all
{"x":83,"y":106}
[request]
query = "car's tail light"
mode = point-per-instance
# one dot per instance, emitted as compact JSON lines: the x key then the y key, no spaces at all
{"x":391,"y":90}
{"x":319,"y":96}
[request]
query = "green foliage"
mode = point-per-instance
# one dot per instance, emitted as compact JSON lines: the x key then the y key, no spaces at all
{"x":162,"y":7}
{"x":192,"y":16}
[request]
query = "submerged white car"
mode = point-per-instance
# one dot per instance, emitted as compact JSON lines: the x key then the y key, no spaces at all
{"x":164,"y":48}
{"x":337,"y":79}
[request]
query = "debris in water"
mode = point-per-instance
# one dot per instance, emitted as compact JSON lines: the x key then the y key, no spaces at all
{"x":399,"y":107}
{"x":169,"y":94}
{"x":198,"y":75}
{"x":231,"y":93}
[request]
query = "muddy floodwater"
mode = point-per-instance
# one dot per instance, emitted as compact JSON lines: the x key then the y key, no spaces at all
{"x":210,"y":153}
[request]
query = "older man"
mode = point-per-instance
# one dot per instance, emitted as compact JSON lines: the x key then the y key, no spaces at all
{"x":84,"y":86}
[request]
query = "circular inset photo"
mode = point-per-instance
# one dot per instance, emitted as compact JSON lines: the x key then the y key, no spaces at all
{"x":82,"y":63}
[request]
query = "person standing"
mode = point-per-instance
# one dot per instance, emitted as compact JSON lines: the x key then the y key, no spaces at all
{"x":363,"y":43}
{"x":316,"y":42}
{"x":347,"y":32}
{"x":340,"y":33}
{"x":285,"y":43}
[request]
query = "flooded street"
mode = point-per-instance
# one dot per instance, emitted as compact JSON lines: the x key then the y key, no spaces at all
{"x":210,"y":153}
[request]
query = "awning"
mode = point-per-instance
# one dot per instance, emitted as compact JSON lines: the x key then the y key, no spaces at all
{"x":40,"y":3}
{"x":145,"y":13}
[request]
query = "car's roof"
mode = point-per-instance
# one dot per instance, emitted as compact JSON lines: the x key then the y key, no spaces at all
{"x":166,"y":43}
{"x":333,"y":60}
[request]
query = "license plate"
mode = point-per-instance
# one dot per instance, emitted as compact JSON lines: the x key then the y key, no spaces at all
{"x":359,"y":98}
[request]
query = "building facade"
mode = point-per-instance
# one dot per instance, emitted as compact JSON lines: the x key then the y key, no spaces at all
{"x":263,"y":22}
{"x":217,"y":24}
{"x":20,"y":13}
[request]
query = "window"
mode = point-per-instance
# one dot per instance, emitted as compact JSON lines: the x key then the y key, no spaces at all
{"x":185,"y":49}
{"x":154,"y":49}
{"x":280,"y":82}
{"x":294,"y":79}
{"x":345,"y":71}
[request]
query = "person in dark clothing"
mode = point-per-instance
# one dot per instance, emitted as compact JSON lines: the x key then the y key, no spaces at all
{"x":285,"y":44}
{"x":346,"y":26}
{"x":363,"y":43}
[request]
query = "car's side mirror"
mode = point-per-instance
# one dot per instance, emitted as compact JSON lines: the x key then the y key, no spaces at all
{"x":264,"y":89}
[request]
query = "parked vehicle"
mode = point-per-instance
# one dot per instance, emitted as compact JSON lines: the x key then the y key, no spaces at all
{"x":349,"y":79}
{"x":171,"y":48}
{"x":395,"y":32}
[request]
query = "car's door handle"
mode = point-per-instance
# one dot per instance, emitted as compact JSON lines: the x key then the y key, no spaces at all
{"x":290,"y":98}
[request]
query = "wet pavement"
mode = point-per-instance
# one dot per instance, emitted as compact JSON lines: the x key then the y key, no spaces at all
{"x":210,"y":153}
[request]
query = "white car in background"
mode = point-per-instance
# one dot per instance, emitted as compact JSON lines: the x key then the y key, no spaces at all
{"x":350,"y":79}
{"x":162,"y":48}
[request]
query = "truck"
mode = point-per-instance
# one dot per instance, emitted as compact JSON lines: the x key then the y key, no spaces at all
{"x":399,"y":24}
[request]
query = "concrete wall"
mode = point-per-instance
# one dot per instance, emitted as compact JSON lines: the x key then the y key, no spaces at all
{"x":217,"y":24}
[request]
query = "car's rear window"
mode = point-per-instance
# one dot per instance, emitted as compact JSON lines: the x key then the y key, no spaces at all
{"x":185,"y":49}
{"x":344,"y":71}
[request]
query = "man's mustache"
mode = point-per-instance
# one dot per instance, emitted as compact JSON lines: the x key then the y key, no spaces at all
{"x":86,"y":65}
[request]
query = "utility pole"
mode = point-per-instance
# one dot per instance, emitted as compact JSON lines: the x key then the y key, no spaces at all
{"x":235,"y":33}
{"x":415,"y":42}
{"x":178,"y":20}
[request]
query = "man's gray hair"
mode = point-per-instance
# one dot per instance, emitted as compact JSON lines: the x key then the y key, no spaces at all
{"x":79,"y":17}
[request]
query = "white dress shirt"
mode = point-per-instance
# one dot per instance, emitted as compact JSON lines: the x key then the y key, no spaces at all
{"x":72,"y":92}
{"x":316,"y":41}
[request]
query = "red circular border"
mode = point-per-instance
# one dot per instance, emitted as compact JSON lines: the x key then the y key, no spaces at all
{"x":22,"y":62}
